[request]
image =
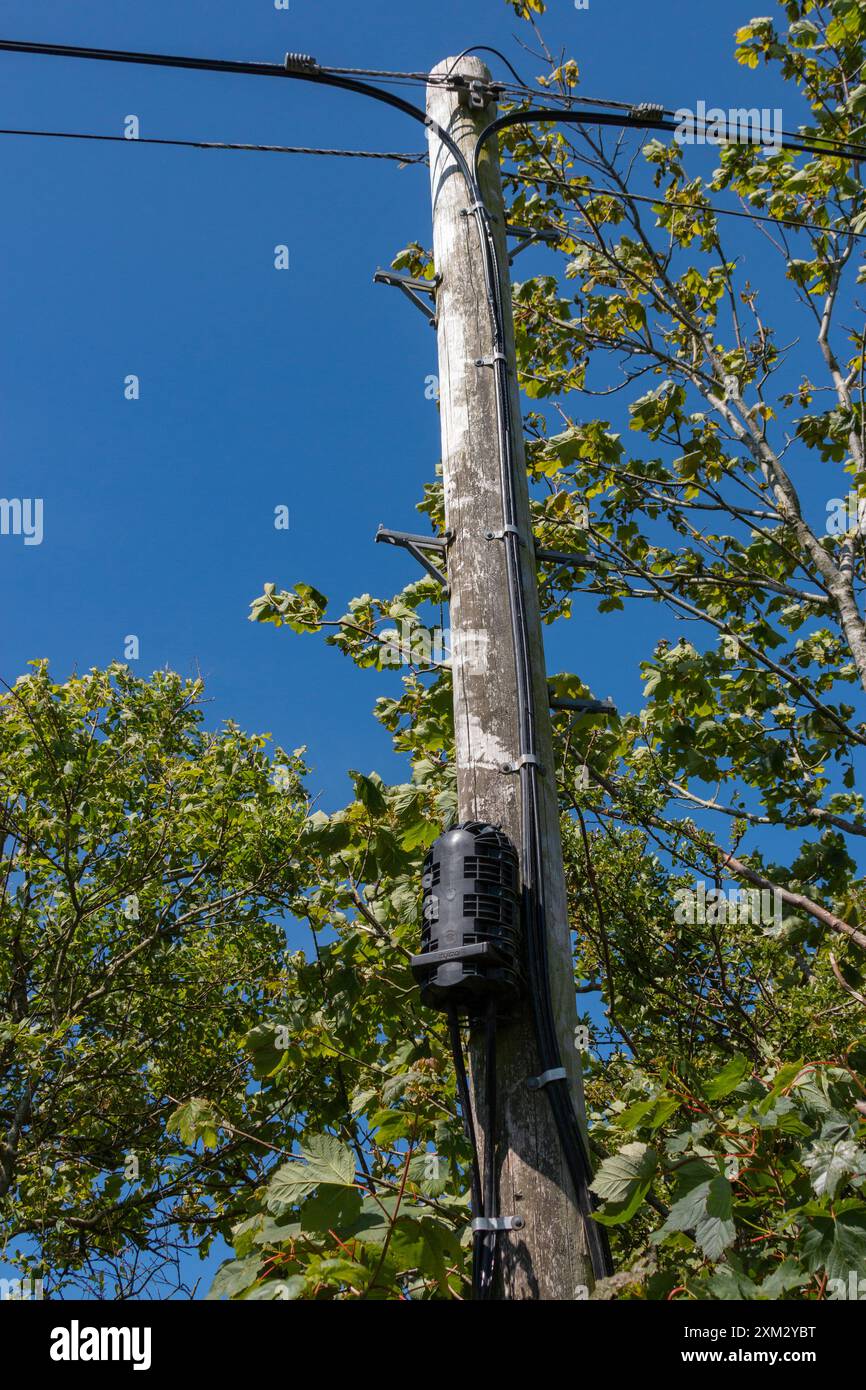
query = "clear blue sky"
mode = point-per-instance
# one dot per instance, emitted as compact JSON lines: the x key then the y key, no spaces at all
{"x":258,"y":387}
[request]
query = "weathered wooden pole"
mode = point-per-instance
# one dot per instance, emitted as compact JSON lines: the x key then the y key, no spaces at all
{"x":547,"y":1258}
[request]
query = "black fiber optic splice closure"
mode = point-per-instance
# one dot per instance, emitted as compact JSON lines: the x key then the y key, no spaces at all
{"x":470,"y":937}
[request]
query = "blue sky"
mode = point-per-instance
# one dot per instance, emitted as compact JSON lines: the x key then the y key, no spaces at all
{"x":258,"y":387}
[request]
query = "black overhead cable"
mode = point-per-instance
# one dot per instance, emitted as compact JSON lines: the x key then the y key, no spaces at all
{"x":479,"y":1279}
{"x":219,"y":145}
{"x":644,"y":119}
{"x":303,"y":67}
{"x":522,"y":90}
{"x":485,"y":48}
{"x":569,"y":100}
{"x":617,"y":196}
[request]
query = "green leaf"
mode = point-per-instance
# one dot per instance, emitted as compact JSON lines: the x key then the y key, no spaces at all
{"x":622,"y":1182}
{"x":835,"y":1246}
{"x":288,"y":1290}
{"x":327,"y":1162}
{"x":785,"y":1277}
{"x":786,"y":1076}
{"x":427,"y":1246}
{"x":368,"y":791}
{"x":830,"y":1164}
{"x":334,"y":1209}
{"x":289,"y":1185}
{"x":704,"y":1205}
{"x":716,"y":1230}
{"x":260,"y":1042}
{"x":728,"y":1079}
{"x":391,"y":1126}
{"x":233,"y":1277}
{"x":617,"y":1175}
{"x":195,"y":1120}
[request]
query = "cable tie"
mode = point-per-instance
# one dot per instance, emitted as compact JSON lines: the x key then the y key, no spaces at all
{"x":535,"y":1083}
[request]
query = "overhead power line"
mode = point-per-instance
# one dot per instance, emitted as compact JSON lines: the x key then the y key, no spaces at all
{"x":798,"y":223}
{"x":646,"y":117}
{"x":219,"y":145}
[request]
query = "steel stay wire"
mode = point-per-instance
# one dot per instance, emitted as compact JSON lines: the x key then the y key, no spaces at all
{"x":218,"y":145}
{"x":417,"y":158}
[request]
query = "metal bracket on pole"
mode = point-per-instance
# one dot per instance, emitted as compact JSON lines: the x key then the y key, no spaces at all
{"x":585,"y":706}
{"x":498,"y":1223}
{"x":500,"y":535}
{"x":561,"y":557}
{"x":474,"y":93}
{"x":529,"y":236}
{"x":416,"y":545}
{"x":413,"y":289}
{"x":491,"y":361}
{"x":535,"y":1083}
{"x":525,"y":760}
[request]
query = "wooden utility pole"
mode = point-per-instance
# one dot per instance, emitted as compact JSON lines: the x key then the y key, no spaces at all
{"x":547,"y":1258}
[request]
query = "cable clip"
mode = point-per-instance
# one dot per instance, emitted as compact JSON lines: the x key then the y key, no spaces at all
{"x":490,"y":361}
{"x":295,"y":62}
{"x":535,"y":1083}
{"x":525,"y":760}
{"x":498,"y":1223}
{"x":500,"y":535}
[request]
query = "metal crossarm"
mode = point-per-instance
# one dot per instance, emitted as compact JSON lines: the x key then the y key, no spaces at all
{"x":416,"y":545}
{"x":413,"y":289}
{"x":584,"y":706}
{"x":529,"y":236}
